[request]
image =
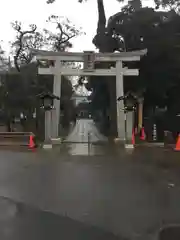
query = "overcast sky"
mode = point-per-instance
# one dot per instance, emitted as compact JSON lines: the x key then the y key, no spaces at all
{"x":37,"y":11}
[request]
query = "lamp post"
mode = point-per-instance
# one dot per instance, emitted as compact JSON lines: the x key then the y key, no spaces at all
{"x":47,"y":104}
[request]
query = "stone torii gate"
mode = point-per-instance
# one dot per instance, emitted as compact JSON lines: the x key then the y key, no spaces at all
{"x":89,"y":58}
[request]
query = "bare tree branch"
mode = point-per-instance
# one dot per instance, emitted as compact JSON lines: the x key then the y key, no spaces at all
{"x":19,"y":43}
{"x":65,"y":32}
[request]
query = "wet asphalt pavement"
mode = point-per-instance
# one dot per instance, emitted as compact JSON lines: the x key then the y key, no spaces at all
{"x":19,"y":221}
{"x":116,"y":195}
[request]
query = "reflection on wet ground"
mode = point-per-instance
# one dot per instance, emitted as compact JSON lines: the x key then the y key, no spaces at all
{"x":99,"y":149}
{"x":85,"y":131}
{"x":86,"y":149}
{"x":21,"y":222}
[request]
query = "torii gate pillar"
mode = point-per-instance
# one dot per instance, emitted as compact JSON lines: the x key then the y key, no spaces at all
{"x":57,"y":103}
{"x":120,"y":104}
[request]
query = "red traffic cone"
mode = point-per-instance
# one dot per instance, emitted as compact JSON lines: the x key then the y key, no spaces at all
{"x":177,"y":148}
{"x":142,"y":136}
{"x":31,"y":142}
{"x":133,"y":138}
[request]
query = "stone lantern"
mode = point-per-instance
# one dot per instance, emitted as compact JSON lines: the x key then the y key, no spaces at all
{"x":130,"y":103}
{"x":47,"y":103}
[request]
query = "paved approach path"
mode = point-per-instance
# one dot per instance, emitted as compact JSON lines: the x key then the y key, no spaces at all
{"x":82,"y":129}
{"x":130,"y":195}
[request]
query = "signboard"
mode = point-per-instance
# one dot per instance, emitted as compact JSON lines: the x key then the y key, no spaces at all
{"x":89,"y":59}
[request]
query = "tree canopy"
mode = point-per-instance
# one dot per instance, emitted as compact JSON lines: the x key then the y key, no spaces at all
{"x":170,"y":4}
{"x":135,"y":4}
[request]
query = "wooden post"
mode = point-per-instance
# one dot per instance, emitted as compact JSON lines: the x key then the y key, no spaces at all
{"x":120,"y":104}
{"x":89,"y":143}
{"x":140,"y":113}
{"x":57,"y":103}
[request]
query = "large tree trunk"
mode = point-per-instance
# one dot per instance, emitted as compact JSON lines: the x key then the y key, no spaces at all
{"x":104,"y":43}
{"x":102,"y":17}
{"x":103,"y":40}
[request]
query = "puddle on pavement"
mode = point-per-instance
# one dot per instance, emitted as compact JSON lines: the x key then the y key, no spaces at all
{"x":170,"y":233}
{"x":22,"y":222}
{"x":8,"y":209}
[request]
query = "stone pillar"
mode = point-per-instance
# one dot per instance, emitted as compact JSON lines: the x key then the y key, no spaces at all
{"x":120,"y":104}
{"x":129,"y":126}
{"x":47,"y":126}
{"x":140,"y":113}
{"x":57,"y":92}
